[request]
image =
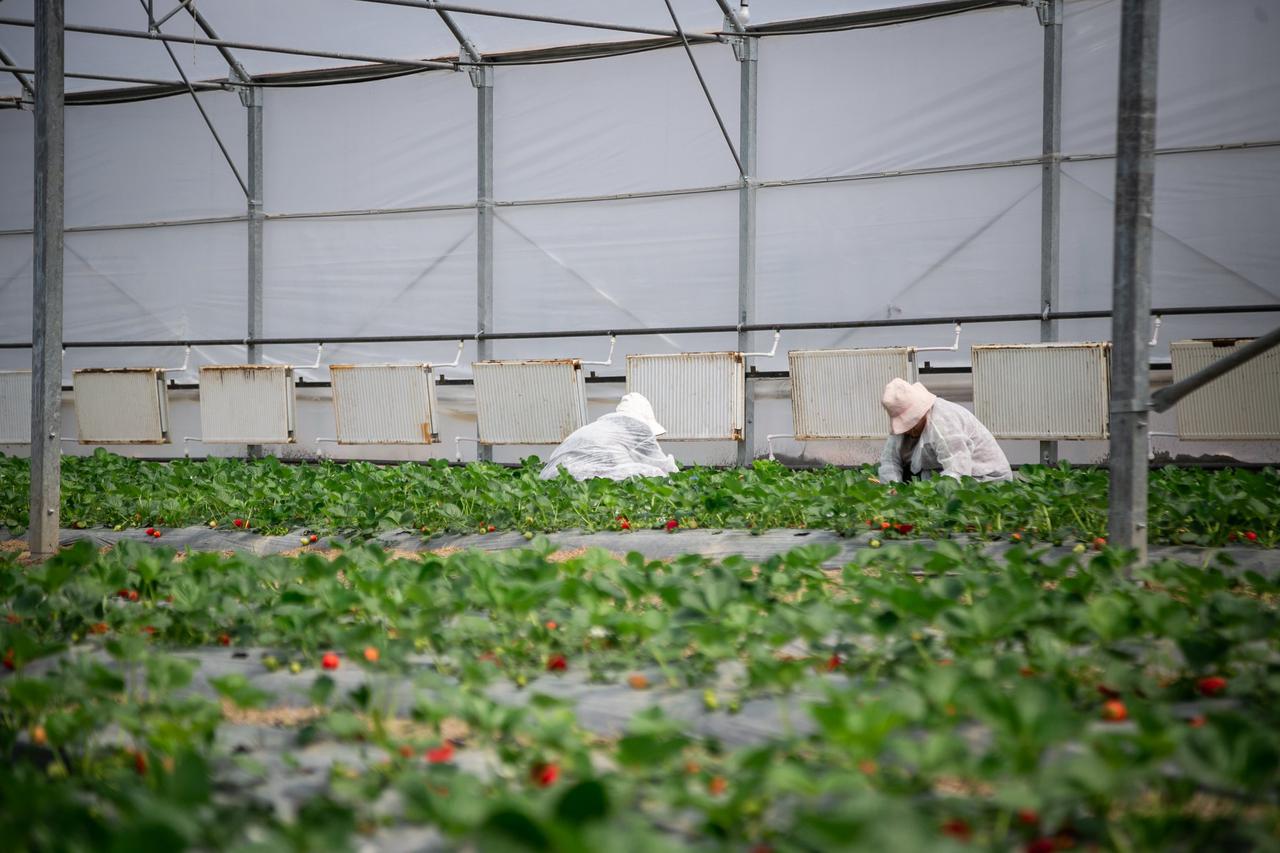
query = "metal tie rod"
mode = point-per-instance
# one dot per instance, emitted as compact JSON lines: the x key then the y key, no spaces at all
{"x":242,"y":45}
{"x":113,"y":78}
{"x":540,"y":19}
{"x":725,"y":328}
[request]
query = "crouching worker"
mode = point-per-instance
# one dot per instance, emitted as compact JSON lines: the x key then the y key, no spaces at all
{"x":621,"y":444}
{"x":929,"y":435}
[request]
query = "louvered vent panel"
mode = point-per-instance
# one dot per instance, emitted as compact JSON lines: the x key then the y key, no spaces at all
{"x":697,"y":396}
{"x":1050,"y":392}
{"x":1243,"y":404}
{"x":529,"y":402}
{"x":15,"y":406}
{"x":383,"y":403}
{"x":836,"y":393}
{"x":246,"y":404}
{"x":121,"y":406}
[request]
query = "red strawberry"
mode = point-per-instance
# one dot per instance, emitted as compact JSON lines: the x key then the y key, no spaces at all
{"x":904,"y":529}
{"x":1028,"y":817}
{"x":1114,"y":711}
{"x":99,"y":628}
{"x":239,"y":522}
{"x":958,"y":829}
{"x":329,"y":661}
{"x":1099,"y":543}
{"x":1211,"y":686}
{"x":441,"y":754}
{"x":1251,"y":536}
{"x":149,"y":630}
{"x":8,"y":660}
{"x":833,"y":663}
{"x":1197,"y":721}
{"x":156,"y":534}
{"x":314,"y":538}
{"x":406,"y":751}
{"x":557,"y":663}
{"x":150,"y":530}
{"x":492,"y":528}
{"x":884,"y":525}
{"x":132,"y":595}
{"x":371,"y":654}
{"x":1015,"y":537}
{"x":717,"y":785}
{"x":224,"y":639}
{"x":140,"y":763}
{"x":624,"y":525}
{"x":551,"y":626}
{"x":672,"y":524}
{"x":544,"y":775}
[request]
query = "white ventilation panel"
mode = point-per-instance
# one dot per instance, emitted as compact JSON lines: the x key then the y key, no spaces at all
{"x":15,"y":406}
{"x":1243,"y":404}
{"x":697,"y":396}
{"x":383,"y":403}
{"x":529,"y":402}
{"x":836,"y":393}
{"x":1056,"y":391}
{"x":127,"y":405}
{"x":246,"y":404}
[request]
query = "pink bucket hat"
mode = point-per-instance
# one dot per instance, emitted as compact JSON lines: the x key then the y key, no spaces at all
{"x":906,"y":404}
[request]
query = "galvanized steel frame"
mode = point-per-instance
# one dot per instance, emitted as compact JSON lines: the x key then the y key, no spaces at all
{"x":46,"y":326}
{"x":1131,"y":286}
{"x":1050,"y":12}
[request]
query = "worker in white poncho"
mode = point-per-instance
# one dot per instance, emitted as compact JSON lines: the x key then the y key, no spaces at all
{"x":930,"y":435}
{"x":621,"y":444}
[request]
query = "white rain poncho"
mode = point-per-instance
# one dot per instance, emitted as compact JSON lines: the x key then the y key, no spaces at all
{"x":954,"y":442}
{"x":618,"y":445}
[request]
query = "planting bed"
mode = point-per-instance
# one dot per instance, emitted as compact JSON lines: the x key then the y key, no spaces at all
{"x":1193,"y":507}
{"x":923,"y":696}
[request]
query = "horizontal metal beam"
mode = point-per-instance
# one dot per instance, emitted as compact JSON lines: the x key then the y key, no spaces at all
{"x":1165,"y":398}
{"x":586,"y":199}
{"x":540,"y":19}
{"x":242,"y":45}
{"x":115,"y":78}
{"x":947,"y":320}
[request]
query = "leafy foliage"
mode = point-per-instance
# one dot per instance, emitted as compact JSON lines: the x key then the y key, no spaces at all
{"x":937,"y":696}
{"x":356,"y":498}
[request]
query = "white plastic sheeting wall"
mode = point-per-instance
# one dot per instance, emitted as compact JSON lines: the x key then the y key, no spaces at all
{"x":929,"y":98}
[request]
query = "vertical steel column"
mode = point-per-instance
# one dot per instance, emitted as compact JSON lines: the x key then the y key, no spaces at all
{"x":482,"y":79}
{"x":1050,"y":13}
{"x":46,"y":326}
{"x":747,"y":50}
{"x":1131,"y":286}
{"x":251,"y":96}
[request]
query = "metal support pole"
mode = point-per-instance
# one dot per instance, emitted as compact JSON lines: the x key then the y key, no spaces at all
{"x":1050,"y":184}
{"x":46,"y":327}
{"x":1131,"y":287}
{"x":252,"y":99}
{"x":747,"y":51}
{"x":482,"y":79}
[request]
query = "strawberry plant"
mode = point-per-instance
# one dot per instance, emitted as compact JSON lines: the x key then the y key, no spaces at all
{"x":358,"y":499}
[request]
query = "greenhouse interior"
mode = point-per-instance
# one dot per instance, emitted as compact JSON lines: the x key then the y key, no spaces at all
{"x":640,"y":425}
